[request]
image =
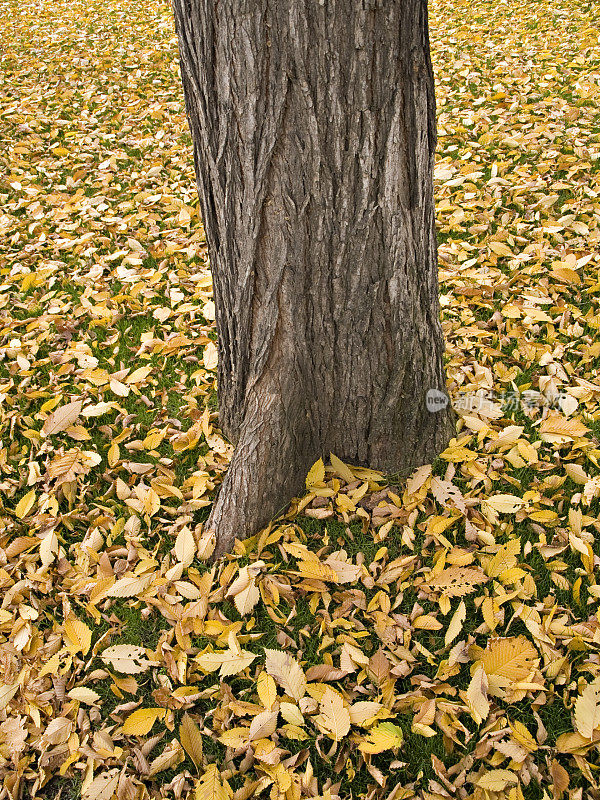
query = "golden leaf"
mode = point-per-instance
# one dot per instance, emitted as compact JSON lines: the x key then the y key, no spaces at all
{"x":191,"y":739}
{"x":140,"y":722}
{"x":210,"y":787}
{"x":267,"y":691}
{"x":79,"y":636}
{"x":316,"y":474}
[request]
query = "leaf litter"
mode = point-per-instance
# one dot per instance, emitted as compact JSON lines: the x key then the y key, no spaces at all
{"x":436,"y":637}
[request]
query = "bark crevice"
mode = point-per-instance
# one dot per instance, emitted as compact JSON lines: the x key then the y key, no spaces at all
{"x":314,"y":128}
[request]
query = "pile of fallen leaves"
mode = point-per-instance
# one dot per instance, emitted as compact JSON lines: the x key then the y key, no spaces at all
{"x":433,"y":638}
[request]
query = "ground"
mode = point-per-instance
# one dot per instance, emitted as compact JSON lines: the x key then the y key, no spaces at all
{"x":383,"y":639}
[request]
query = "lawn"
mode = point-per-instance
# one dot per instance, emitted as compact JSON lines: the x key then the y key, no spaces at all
{"x":432,"y":638}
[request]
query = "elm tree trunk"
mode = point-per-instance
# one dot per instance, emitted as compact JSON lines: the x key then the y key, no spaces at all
{"x":313,"y":124}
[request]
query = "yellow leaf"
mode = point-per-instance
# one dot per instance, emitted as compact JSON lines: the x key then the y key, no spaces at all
{"x":7,"y":692}
{"x":334,"y":719}
{"x":287,"y":672}
{"x":384,"y":736}
{"x":79,"y":635}
{"x":317,"y":570}
{"x":522,"y":735}
{"x":127,"y":658}
{"x":501,"y":249}
{"x":210,"y":787}
{"x":84,"y":695}
{"x":506,"y":662}
{"x":505,"y":503}
{"x":138,"y":375}
{"x":210,"y":356}
{"x":343,"y":470}
{"x":316,"y":474}
{"x":141,"y":721}
{"x":291,"y":714}
{"x":556,"y":425}
{"x":25,"y":504}
{"x":191,"y":739}
{"x":427,"y":622}
{"x":120,"y":389}
{"x":185,"y":546}
{"x":267,"y":690}
{"x":587,"y":709}
{"x":129,"y":585}
{"x":504,"y":559}
{"x":455,"y":626}
{"x":103,"y":786}
{"x":228,"y":662}
{"x":60,"y":419}
{"x":113,"y":454}
{"x":263,"y":725}
{"x":497,"y":780}
{"x":363,"y":710}
{"x":477,"y":699}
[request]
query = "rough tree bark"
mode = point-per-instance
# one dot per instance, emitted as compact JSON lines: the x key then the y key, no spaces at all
{"x":313,"y":124}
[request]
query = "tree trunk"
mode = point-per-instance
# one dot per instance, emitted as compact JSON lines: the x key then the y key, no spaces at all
{"x":313,"y":124}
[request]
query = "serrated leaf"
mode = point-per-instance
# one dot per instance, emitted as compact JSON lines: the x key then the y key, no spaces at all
{"x":363,"y":710}
{"x":507,"y":661}
{"x":185,"y":546}
{"x":127,"y":658}
{"x":210,"y":786}
{"x":263,"y":725}
{"x":84,"y":695}
{"x":60,"y":419}
{"x":129,"y":585}
{"x":334,"y":717}
{"x":456,"y":623}
{"x":102,"y":787}
{"x":477,"y":699}
{"x":316,"y":474}
{"x":267,"y":690}
{"x":497,"y":780}
{"x":191,"y":739}
{"x":79,"y":636}
{"x":287,"y":672}
{"x":587,"y":709}
{"x":385,"y":736}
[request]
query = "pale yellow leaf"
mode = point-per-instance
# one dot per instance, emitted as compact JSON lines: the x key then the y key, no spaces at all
{"x":263,"y":725}
{"x":185,"y":546}
{"x":84,"y":695}
{"x":102,"y":787}
{"x":587,"y":709}
{"x":334,"y":717}
{"x":287,"y":672}
{"x":127,"y":658}
{"x":477,"y":699}
{"x":456,"y":623}
{"x":60,"y":419}
{"x":497,"y":780}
